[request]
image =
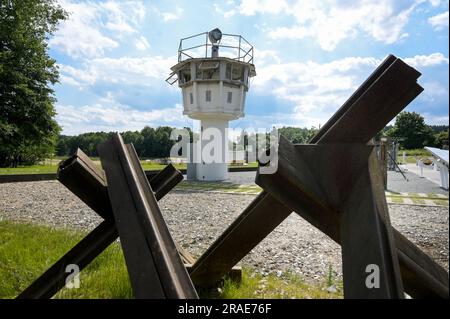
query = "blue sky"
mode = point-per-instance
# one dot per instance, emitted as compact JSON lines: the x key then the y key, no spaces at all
{"x":310,"y":56}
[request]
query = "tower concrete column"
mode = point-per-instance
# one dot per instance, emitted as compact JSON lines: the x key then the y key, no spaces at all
{"x":214,"y":150}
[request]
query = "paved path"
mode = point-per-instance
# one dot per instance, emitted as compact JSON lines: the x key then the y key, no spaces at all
{"x":415,"y":184}
{"x":416,"y":191}
{"x":407,"y":198}
{"x":396,"y":182}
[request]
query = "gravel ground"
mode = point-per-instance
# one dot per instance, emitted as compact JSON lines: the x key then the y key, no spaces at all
{"x":196,"y":219}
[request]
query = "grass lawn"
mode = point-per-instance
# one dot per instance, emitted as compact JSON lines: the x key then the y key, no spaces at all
{"x":34,"y":169}
{"x":412,"y":155}
{"x":51,"y":168}
{"x":27,"y":250}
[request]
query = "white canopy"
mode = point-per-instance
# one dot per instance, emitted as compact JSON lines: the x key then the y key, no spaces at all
{"x":438,"y":153}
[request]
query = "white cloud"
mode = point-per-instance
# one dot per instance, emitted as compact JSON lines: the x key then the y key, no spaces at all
{"x":83,"y":34}
{"x":227,"y":9}
{"x":419,"y":61}
{"x":432,"y":119}
{"x":124,"y":70}
{"x":78,"y":36}
{"x":435,"y":3}
{"x":330,"y":22}
{"x":141,"y":44}
{"x":440,"y":21}
{"x":433,"y":91}
{"x":311,"y":85}
{"x":114,"y":117}
{"x":251,"y":7}
{"x":317,"y":90}
{"x":172,"y":16}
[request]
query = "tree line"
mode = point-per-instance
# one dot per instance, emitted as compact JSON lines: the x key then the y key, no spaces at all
{"x":409,"y":128}
{"x":412,"y":132}
{"x":154,"y":142}
{"x":149,"y":142}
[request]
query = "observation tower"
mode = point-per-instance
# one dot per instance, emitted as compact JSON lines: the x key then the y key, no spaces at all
{"x":213,"y":72}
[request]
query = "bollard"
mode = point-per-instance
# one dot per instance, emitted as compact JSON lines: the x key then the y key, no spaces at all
{"x":420,"y":163}
{"x":443,"y":171}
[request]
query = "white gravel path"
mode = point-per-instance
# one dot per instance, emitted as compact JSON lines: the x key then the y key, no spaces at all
{"x":196,"y":219}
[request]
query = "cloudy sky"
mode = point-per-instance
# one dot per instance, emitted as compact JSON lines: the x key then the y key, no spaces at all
{"x":310,"y":56}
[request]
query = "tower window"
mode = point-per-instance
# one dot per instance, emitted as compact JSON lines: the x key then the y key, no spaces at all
{"x":184,"y":75}
{"x":237,"y":73}
{"x":229,"y":97}
{"x":191,"y":98}
{"x":208,"y":95}
{"x":228,"y":71}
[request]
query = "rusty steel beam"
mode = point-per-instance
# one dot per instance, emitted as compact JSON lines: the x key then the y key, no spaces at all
{"x":85,"y":180}
{"x":365,"y":113}
{"x":316,"y":203}
{"x":391,"y":65}
{"x":348,"y":186}
{"x":154,"y":265}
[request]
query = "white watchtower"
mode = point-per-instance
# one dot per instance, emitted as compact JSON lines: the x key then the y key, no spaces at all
{"x":214,"y":88}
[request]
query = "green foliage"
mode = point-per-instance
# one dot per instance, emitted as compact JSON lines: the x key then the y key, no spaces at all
{"x":411,"y":127}
{"x":441,"y":139}
{"x":149,"y":142}
{"x":27,"y":128}
{"x":439,"y":128}
{"x":88,"y":142}
{"x":418,"y":152}
{"x":298,"y":135}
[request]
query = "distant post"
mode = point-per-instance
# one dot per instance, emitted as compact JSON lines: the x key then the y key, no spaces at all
{"x":383,"y":162}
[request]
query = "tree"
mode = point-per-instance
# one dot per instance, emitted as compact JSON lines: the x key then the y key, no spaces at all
{"x":28,"y":131}
{"x":297,"y":135}
{"x":411,"y":127}
{"x":441,"y":139}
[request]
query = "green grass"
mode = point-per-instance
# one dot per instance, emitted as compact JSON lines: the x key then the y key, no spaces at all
{"x":51,"y":168}
{"x":34,"y":169}
{"x":412,"y":155}
{"x":256,"y":286}
{"x":418,"y":201}
{"x":396,"y":199}
{"x":27,"y":250}
{"x":415,"y":152}
{"x":441,"y":202}
{"x":218,"y":187}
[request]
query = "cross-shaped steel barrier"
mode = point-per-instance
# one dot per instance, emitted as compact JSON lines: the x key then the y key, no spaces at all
{"x":88,"y":182}
{"x":335,"y":183}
